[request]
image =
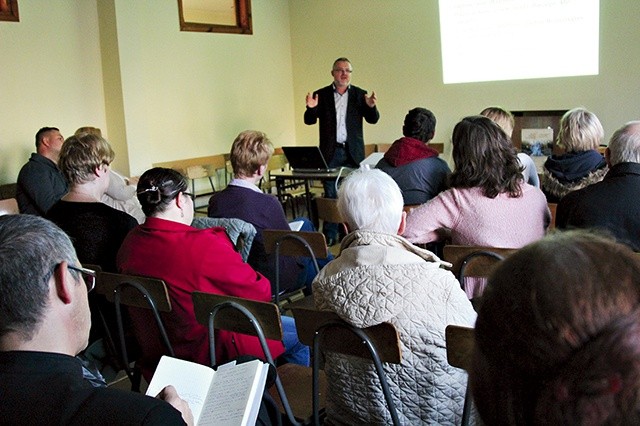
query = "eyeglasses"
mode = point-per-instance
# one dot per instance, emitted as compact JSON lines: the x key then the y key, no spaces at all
{"x":188,"y":194}
{"x":348,"y":71}
{"x":88,"y":275}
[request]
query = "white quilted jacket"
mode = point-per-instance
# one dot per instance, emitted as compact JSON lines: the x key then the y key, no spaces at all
{"x":384,"y":278}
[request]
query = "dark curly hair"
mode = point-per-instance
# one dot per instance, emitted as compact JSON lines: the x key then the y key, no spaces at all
{"x":157,"y":187}
{"x":419,"y":123}
{"x":484,"y":157}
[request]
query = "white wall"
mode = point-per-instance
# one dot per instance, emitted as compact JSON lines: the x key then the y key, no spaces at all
{"x":395,"y":50}
{"x":160,"y":94}
{"x":157,"y":93}
{"x":51,"y":76}
{"x":188,"y":94}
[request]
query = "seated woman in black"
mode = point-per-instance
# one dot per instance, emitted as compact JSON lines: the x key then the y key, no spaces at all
{"x":96,"y":230}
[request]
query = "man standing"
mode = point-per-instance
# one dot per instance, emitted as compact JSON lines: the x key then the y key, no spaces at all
{"x":611,"y":204}
{"x":40,"y":183}
{"x":44,"y":324}
{"x":340,"y":107}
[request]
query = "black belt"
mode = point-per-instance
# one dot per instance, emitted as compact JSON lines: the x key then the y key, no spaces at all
{"x":340,"y":145}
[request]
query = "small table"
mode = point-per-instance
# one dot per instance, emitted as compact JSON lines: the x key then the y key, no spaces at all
{"x":282,"y":177}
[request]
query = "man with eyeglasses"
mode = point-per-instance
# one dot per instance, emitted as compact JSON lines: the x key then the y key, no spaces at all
{"x":44,"y":323}
{"x":340,"y":108}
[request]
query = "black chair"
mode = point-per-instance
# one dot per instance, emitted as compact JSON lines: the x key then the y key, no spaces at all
{"x":293,"y":243}
{"x":138,"y":292}
{"x":261,"y":319}
{"x":326,"y":332}
{"x":474,"y":261}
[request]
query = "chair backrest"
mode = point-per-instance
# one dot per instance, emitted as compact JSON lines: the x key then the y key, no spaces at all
{"x":293,"y":243}
{"x":384,"y":336}
{"x":437,"y":146}
{"x":326,"y":332}
{"x":459,"y":341}
{"x":231,"y":319}
{"x":474,"y":261}
{"x":9,"y":206}
{"x":8,"y":190}
{"x":328,"y":210}
{"x":552,"y":208}
{"x":383,"y":147}
{"x":408,"y":207}
{"x":369,"y":149}
{"x":130,"y":296}
{"x":196,"y":168}
{"x":138,"y":292}
{"x":261,"y":319}
{"x":240,"y":232}
{"x":293,"y":246}
{"x":459,"y":346}
{"x":276,"y":162}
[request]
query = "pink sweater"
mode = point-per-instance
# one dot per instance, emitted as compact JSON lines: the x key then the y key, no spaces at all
{"x":477,"y":220}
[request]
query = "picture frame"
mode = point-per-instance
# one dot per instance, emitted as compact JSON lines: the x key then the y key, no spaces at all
{"x":216,"y":16}
{"x":9,"y":10}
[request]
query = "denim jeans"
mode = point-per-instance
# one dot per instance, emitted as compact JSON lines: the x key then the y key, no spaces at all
{"x":340,"y":158}
{"x":308,"y":272}
{"x":295,"y":352}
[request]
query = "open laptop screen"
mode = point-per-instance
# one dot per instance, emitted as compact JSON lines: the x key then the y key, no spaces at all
{"x":306,"y":159}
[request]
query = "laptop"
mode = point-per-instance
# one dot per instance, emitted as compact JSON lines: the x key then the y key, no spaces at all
{"x":306,"y":159}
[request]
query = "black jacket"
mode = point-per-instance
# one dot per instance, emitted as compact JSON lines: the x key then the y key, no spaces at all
{"x":610,"y":205}
{"x":357,"y":109}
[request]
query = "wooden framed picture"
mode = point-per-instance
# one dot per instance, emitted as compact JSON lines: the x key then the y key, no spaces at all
{"x":216,"y":16}
{"x":9,"y":10}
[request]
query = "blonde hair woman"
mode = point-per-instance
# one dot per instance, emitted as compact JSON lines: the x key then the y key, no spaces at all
{"x":121,"y":193}
{"x":580,"y":135}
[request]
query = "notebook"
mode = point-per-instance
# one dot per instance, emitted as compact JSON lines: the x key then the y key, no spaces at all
{"x":306,"y":159}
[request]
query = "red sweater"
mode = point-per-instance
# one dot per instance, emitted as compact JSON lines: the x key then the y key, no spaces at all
{"x":190,"y":259}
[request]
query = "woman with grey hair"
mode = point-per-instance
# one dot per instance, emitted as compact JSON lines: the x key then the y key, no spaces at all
{"x":381,"y":277}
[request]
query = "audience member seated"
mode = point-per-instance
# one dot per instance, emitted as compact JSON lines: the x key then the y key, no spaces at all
{"x":412,"y":163}
{"x":44,"y":325}
{"x":612,"y":204}
{"x":190,"y":259}
{"x":506,"y":121}
{"x":488,"y":203}
{"x":581,"y":165}
{"x":242,"y":199}
{"x":97,"y":230}
{"x":381,"y":277}
{"x":40,"y":183}
{"x":121,"y":193}
{"x":557,"y":337}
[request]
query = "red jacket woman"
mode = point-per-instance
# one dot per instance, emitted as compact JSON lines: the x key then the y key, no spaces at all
{"x":188,"y":260}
